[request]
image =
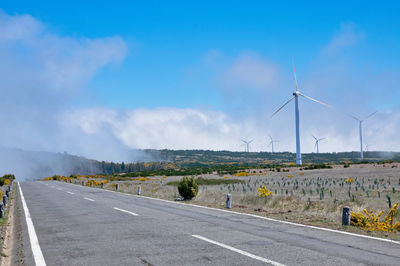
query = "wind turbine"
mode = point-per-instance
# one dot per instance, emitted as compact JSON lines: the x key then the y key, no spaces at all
{"x":367,"y":146}
{"x":271,"y":143}
{"x":296,"y":95}
{"x":360,"y":121}
{"x":247,"y":143}
{"x":316,"y":142}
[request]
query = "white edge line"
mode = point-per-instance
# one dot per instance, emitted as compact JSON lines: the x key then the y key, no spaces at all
{"x":88,"y":199}
{"x":239,"y":251}
{"x":118,"y":209}
{"x":257,"y":216}
{"x":37,"y":252}
{"x":69,"y":192}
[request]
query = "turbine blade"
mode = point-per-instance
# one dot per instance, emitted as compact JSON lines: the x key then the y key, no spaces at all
{"x":352,"y":116}
{"x":308,"y":97}
{"x":370,"y":115}
{"x":321,"y":139}
{"x":251,"y":141}
{"x":314,"y":137}
{"x":294,"y":73}
{"x":282,"y":107}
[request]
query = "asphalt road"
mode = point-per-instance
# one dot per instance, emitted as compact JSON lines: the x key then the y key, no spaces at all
{"x":78,"y":225}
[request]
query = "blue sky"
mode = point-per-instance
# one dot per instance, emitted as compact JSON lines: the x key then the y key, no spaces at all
{"x":168,"y":40}
{"x":225,"y":64}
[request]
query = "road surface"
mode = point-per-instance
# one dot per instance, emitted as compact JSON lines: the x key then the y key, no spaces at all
{"x":77,"y":225}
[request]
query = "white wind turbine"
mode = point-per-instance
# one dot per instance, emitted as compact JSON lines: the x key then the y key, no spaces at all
{"x":367,"y":146}
{"x":247,"y":143}
{"x":317,"y":142}
{"x":296,"y":95}
{"x":360,"y":121}
{"x":271,"y":143}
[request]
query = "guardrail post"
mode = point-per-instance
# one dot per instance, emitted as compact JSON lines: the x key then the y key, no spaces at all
{"x":346,"y":216}
{"x":1,"y":211}
{"x":139,"y":190}
{"x":228,"y":202}
{"x":116,"y":187}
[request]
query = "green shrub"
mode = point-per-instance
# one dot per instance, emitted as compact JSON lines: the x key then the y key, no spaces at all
{"x":188,"y":188}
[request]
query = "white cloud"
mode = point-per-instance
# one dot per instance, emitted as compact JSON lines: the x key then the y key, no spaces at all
{"x":172,"y":128}
{"x":348,"y":35}
{"x":248,"y":72}
{"x":42,"y":72}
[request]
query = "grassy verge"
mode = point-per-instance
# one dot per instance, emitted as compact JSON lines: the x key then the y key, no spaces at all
{"x":209,"y":182}
{"x":3,"y":220}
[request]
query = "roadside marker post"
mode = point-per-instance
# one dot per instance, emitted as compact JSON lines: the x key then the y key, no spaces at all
{"x":4,"y":200}
{"x":101,"y":185}
{"x":346,"y":216}
{"x":83,"y":183}
{"x":1,"y":211}
{"x":139,"y":190}
{"x":228,"y":202}
{"x":116,"y":187}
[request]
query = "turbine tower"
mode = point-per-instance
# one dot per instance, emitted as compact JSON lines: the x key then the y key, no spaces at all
{"x":296,"y":95}
{"x":247,"y":143}
{"x":316,"y":142}
{"x":360,"y":121}
{"x":271,"y":143}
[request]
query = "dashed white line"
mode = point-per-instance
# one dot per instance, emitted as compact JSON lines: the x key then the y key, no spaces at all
{"x":239,"y":251}
{"x":69,"y":192}
{"x":89,"y":199}
{"x":132,"y":213}
{"x":260,"y":217}
{"x":37,"y":252}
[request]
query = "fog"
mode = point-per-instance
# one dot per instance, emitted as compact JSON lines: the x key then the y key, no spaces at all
{"x":43,"y":74}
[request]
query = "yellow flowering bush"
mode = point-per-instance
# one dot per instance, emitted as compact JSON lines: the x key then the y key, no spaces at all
{"x":349,"y":180}
{"x":290,"y":176}
{"x":264,"y":192}
{"x":140,"y":179}
{"x":243,"y":173}
{"x":301,"y":173}
{"x":226,"y":177}
{"x":370,"y":221}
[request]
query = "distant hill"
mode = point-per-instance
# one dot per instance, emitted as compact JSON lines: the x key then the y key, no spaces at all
{"x":207,"y":156}
{"x":36,"y":164}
